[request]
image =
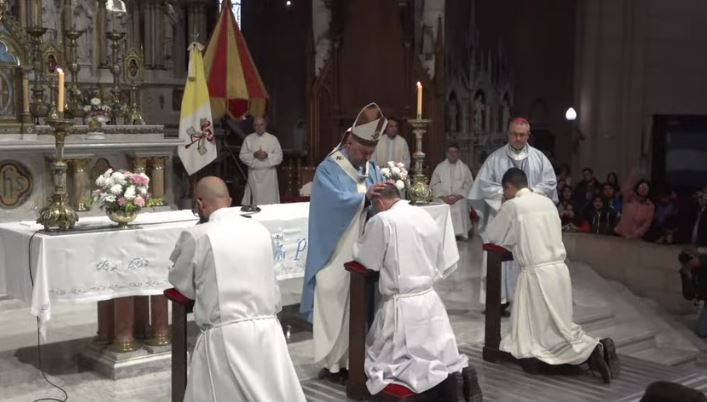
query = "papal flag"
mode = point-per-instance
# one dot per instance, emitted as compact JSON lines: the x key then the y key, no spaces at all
{"x":196,"y":126}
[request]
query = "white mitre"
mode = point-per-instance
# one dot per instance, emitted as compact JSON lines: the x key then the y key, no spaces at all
{"x":369,"y":125}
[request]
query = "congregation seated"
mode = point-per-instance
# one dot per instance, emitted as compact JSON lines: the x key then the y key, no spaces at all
{"x":598,"y":218}
{"x":612,"y":197}
{"x":586,"y":189}
{"x":411,"y":342}
{"x":665,"y":218}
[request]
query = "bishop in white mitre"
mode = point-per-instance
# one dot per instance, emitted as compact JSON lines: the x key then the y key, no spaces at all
{"x":226,"y":265}
{"x":411,"y":341}
{"x":344,"y":183}
{"x":486,"y":192}
{"x":392,"y":147}
{"x":262,"y":153}
{"x":541,"y":320}
{"x":451,"y":181}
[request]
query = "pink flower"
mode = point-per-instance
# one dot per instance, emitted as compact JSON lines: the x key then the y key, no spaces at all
{"x":139,"y":201}
{"x":139,"y":179}
{"x":122,"y":201}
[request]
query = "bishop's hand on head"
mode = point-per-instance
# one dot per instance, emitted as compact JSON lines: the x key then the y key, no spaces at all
{"x":374,"y":190}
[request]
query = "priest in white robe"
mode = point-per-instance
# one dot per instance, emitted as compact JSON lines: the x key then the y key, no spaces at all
{"x":343,"y":184}
{"x":226,"y":265}
{"x":451,"y":181}
{"x":486,"y":192}
{"x":392,"y":147}
{"x":541,"y":320}
{"x":411,"y":341}
{"x":262,"y":153}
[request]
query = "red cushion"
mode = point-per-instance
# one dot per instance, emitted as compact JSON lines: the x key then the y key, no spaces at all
{"x":398,"y":391}
{"x":176,"y":297}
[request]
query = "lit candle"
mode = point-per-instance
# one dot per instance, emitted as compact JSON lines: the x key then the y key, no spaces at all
{"x":419,"y":100}
{"x":25,"y":95}
{"x":60,"y":97}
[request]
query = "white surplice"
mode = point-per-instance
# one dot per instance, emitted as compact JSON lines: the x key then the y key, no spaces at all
{"x":541,"y":319}
{"x":226,"y":265}
{"x":392,"y":150}
{"x":486,"y":194}
{"x":411,"y":341}
{"x":454,"y":179}
{"x":262,"y":175}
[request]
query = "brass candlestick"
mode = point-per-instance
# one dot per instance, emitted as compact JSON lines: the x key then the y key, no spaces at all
{"x":38,"y":107}
{"x":59,"y":214}
{"x":420,"y":191}
{"x":116,"y":37}
{"x":75,"y":102}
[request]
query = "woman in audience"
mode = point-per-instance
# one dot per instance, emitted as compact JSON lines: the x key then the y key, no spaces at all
{"x":598,"y":218}
{"x":566,"y":209}
{"x":638,"y":210}
{"x":564,"y":175}
{"x":613,"y":179}
{"x":665,"y":218}
{"x":612,"y":198}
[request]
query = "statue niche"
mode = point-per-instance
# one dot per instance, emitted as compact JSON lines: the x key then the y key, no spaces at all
{"x":11,"y":57}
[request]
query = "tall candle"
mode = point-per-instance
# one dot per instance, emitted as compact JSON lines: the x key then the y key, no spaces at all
{"x":60,"y":98}
{"x":25,"y":95}
{"x":419,"y":100}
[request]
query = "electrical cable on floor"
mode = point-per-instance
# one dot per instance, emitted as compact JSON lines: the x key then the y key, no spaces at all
{"x":39,"y":344}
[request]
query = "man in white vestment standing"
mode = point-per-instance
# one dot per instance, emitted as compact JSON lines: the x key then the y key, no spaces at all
{"x":411,"y":341}
{"x":227,"y":266}
{"x":541,"y":321}
{"x":343,"y":184}
{"x":486,"y":192}
{"x":392,"y":147}
{"x":262,"y":153}
{"x":451,"y":181}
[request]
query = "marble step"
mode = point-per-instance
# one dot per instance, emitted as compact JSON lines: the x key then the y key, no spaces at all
{"x":593,"y":318}
{"x":8,"y":304}
{"x":628,"y":338}
{"x":668,"y":356}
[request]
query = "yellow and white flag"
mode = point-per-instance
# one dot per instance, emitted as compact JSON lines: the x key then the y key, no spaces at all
{"x":196,"y":127}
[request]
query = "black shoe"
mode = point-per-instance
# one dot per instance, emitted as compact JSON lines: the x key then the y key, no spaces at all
{"x":472,"y":390}
{"x":340,"y":377}
{"x":504,"y":310}
{"x":452,"y":391}
{"x":596,"y":362}
{"x":611,"y":358}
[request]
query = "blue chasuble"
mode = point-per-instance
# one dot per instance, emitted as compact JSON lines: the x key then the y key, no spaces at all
{"x":333,"y":204}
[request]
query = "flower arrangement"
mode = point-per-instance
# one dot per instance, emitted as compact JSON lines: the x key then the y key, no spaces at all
{"x":395,"y":173}
{"x":121,"y":190}
{"x":97,"y":108}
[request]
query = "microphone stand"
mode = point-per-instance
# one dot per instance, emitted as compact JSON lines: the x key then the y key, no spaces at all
{"x":251,"y":207}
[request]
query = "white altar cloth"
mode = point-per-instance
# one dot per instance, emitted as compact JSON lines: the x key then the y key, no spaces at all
{"x":97,"y":261}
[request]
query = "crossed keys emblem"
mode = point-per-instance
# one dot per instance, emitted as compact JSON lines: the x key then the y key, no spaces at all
{"x":206,"y":133}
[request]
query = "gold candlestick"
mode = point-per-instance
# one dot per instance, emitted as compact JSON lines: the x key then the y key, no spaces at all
{"x":420,"y":191}
{"x":38,"y":107}
{"x":59,"y":214}
{"x":75,"y":101}
{"x":117,"y":107}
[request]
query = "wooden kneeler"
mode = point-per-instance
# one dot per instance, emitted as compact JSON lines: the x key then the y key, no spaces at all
{"x":181,"y":306}
{"x":362,"y":282}
{"x":492,"y":352}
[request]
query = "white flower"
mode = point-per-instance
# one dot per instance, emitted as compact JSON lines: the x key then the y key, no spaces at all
{"x":87,"y":108}
{"x":95,"y":101}
{"x":101,"y":181}
{"x":116,"y":189}
{"x":391,"y":164}
{"x":396,"y":171}
{"x":400,"y":185}
{"x":400,"y":165}
{"x":404,"y":176}
{"x":385,"y":172}
{"x":118,"y":178}
{"x":130,"y":193}
{"x":108,"y":173}
{"x":142,"y":190}
{"x":109,"y":198}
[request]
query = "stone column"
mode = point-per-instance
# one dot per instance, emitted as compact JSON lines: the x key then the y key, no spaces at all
{"x":134,"y":34}
{"x":160,"y":321}
{"x":23,"y":13}
{"x":158,"y":178}
{"x":159,"y":34}
{"x":35,"y":13}
{"x":196,"y":18}
{"x":105,"y":323}
{"x":147,"y":11}
{"x":101,"y":41}
{"x":142,"y":317}
{"x":124,"y":313}
{"x":80,"y":195}
{"x":138,"y":162}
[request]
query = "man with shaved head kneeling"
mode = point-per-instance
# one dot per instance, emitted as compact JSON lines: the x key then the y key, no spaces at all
{"x":226,"y":266}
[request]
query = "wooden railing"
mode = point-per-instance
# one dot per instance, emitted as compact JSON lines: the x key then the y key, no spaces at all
{"x":181,"y":306}
{"x":492,"y":336}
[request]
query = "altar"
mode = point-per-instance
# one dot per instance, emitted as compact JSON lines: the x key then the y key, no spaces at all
{"x":125,"y":270}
